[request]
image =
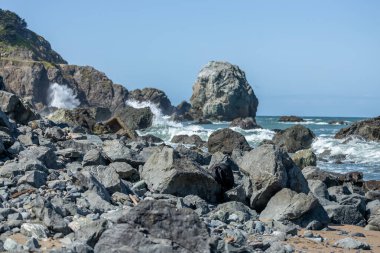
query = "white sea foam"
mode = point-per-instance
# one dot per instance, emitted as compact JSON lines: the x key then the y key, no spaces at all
{"x":255,"y":136}
{"x":308,"y":122}
{"x":354,"y":150}
{"x":61,"y":96}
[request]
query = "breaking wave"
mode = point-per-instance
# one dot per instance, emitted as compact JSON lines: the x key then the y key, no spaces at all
{"x":61,"y":96}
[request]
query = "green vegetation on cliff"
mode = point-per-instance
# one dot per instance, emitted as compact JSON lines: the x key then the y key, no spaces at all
{"x":18,"y":42}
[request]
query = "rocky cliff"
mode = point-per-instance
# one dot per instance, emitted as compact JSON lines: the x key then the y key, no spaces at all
{"x":28,"y":65}
{"x":222,"y":92}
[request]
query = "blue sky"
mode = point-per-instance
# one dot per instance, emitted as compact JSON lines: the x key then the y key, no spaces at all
{"x":301,"y":57}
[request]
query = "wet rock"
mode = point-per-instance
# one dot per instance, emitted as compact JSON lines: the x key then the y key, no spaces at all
{"x":222,"y":92}
{"x":245,"y":123}
{"x":226,"y":140}
{"x":135,"y":118}
{"x":155,"y":96}
{"x":271,"y":169}
{"x":290,"y":119}
{"x":294,"y":138}
{"x":349,"y":243}
{"x":299,"y":208}
{"x":367,"y":129}
{"x":304,"y":158}
{"x":188,"y":139}
{"x":166,"y":172}
{"x":169,"y":231}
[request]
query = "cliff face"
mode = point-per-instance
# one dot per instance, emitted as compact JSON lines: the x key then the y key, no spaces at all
{"x":28,"y":65}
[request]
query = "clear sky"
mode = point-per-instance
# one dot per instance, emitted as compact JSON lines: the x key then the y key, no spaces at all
{"x":302,"y":57}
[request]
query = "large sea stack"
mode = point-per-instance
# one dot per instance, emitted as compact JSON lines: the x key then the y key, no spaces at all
{"x":222,"y":92}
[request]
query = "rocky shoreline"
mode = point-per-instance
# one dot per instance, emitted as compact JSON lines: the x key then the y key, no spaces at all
{"x":83,"y":180}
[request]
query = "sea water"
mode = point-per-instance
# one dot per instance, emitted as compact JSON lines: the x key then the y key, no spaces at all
{"x":344,"y":155}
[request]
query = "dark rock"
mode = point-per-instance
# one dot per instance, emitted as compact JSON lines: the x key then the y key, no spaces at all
{"x":294,"y":138}
{"x":34,"y":178}
{"x":222,"y":92}
{"x":166,"y":172}
{"x":331,"y":178}
{"x":155,"y":96}
{"x":271,"y":169}
{"x":125,"y":171}
{"x":222,"y":173}
{"x":226,"y":140}
{"x":44,"y":154}
{"x":194,"y":154}
{"x":202,"y":121}
{"x":367,"y":129}
{"x":55,"y":134}
{"x":290,"y":119}
{"x":151,"y":138}
{"x":94,"y":157}
{"x":345,"y":214}
{"x":245,"y":123}
{"x":91,"y":232}
{"x":188,"y":139}
{"x":135,"y":118}
{"x":156,"y":226}
{"x":337,"y":122}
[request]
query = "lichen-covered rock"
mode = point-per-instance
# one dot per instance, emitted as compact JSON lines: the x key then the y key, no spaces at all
{"x":222,"y":92}
{"x":294,"y":138}
{"x":169,"y":230}
{"x":367,"y":129}
{"x":166,"y":172}
{"x":304,"y":158}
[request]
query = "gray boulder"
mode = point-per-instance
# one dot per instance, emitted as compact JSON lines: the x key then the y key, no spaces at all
{"x":156,"y":226}
{"x":271,"y":169}
{"x":16,"y":109}
{"x":93,"y":157}
{"x":166,"y":172}
{"x":188,"y":139}
{"x":294,"y":138}
{"x":349,"y":243}
{"x":345,"y":214}
{"x":222,"y":92}
{"x":233,"y":211}
{"x":117,"y":151}
{"x":299,"y":208}
{"x":226,"y":140}
{"x":34,"y":178}
{"x":44,"y":154}
{"x":155,"y":96}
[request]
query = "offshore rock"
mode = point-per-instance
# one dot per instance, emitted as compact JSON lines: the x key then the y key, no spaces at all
{"x":222,"y":92}
{"x":155,"y":96}
{"x":245,"y":123}
{"x":367,"y":129}
{"x":290,"y":119}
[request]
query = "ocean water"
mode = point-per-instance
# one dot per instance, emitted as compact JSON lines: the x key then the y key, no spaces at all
{"x":344,"y":155}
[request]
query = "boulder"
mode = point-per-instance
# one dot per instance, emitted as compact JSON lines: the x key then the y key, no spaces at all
{"x":304,"y":158}
{"x":226,"y":140}
{"x":44,"y":154}
{"x":233,"y":211}
{"x":135,"y":118}
{"x":300,"y":208}
{"x":188,"y":139}
{"x":155,"y":96}
{"x":345,"y":214}
{"x":294,"y":138}
{"x":367,"y":129}
{"x":156,"y":226}
{"x":245,"y":123}
{"x":290,"y":119}
{"x":117,"y":151}
{"x":222,"y":92}
{"x":374,"y":220}
{"x":117,"y":126}
{"x":332,"y":178}
{"x":16,"y":109}
{"x":271,"y":169}
{"x":182,"y":112}
{"x":166,"y":172}
{"x":349,"y":243}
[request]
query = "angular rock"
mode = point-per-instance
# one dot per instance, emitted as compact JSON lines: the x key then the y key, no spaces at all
{"x":233,"y":211}
{"x":222,"y":92}
{"x":93,"y":157}
{"x":166,"y":172}
{"x":349,"y":243}
{"x":125,"y":171}
{"x":116,"y":151}
{"x":345,"y":214}
{"x":304,"y":158}
{"x":294,"y":138}
{"x":34,"y":178}
{"x":169,"y":231}
{"x":226,"y":140}
{"x":16,"y":109}
{"x":44,"y":154}
{"x":108,"y":177}
{"x":34,"y":230}
{"x":299,"y":208}
{"x":271,"y":169}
